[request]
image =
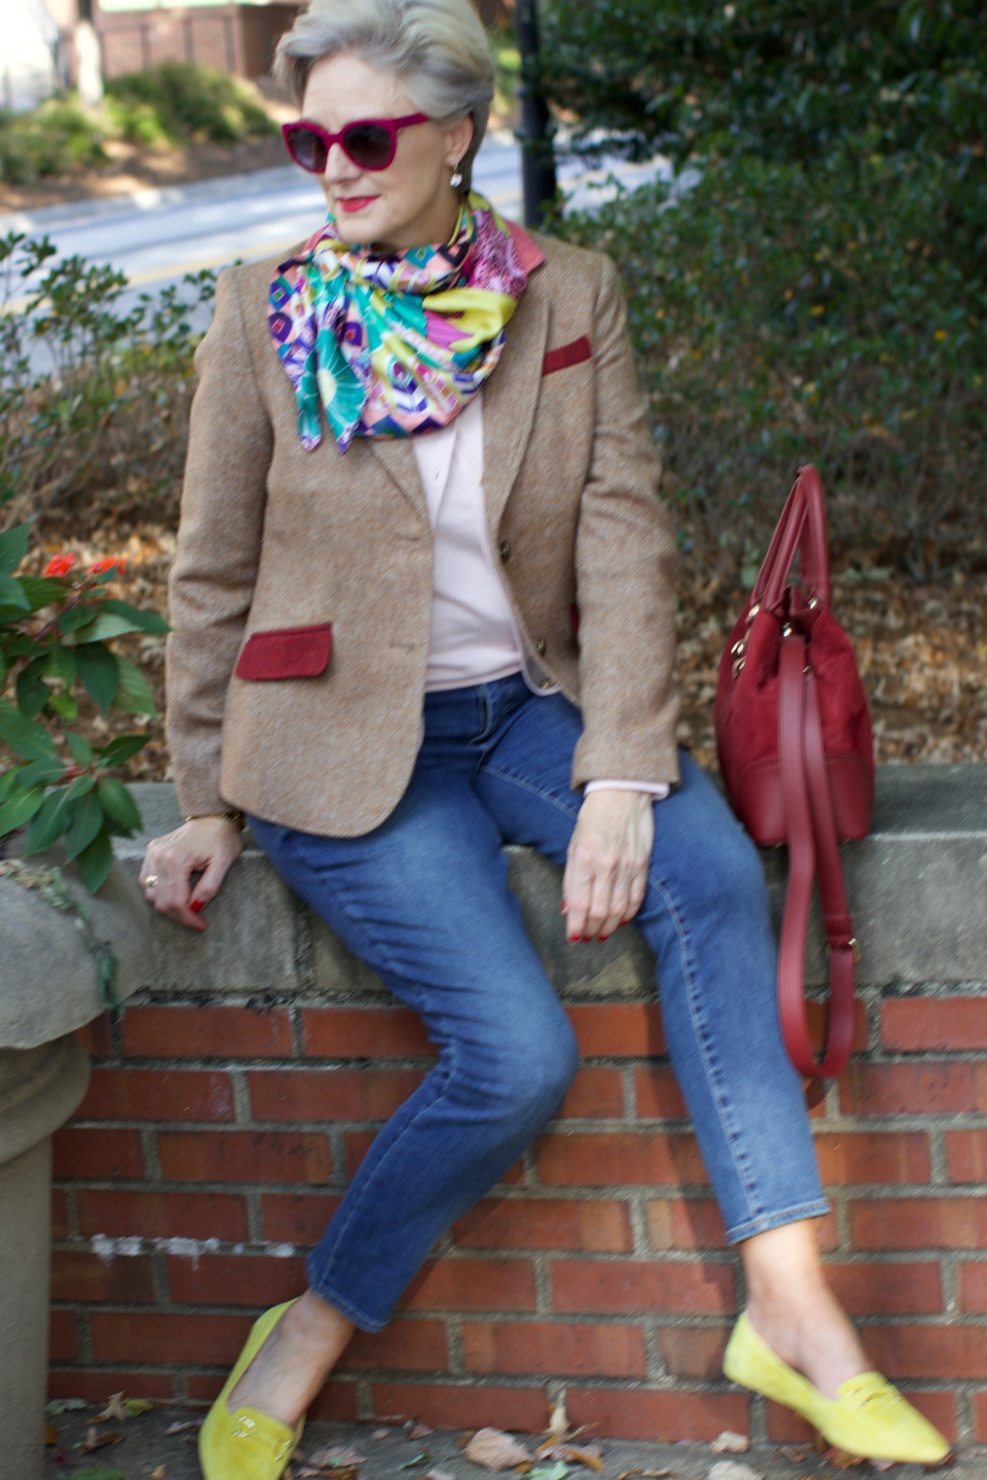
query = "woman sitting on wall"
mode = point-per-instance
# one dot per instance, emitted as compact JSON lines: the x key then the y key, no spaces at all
{"x":422,"y":607}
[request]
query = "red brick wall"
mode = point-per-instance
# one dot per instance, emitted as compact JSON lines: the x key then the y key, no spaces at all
{"x":598,"y":1264}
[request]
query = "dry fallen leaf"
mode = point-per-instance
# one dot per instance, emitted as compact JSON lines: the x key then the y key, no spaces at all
{"x":439,"y":1475}
{"x":65,"y":1405}
{"x":115,"y":1410}
{"x":158,"y":1474}
{"x":495,"y":1450}
{"x":730,"y":1443}
{"x":646,"y":1474}
{"x":96,"y":1440}
{"x":729,"y":1469}
{"x":380,"y":1434}
{"x":419,"y":1430}
{"x":558,"y":1420}
{"x":51,"y":1433}
{"x":590,"y":1455}
{"x":183,"y":1425}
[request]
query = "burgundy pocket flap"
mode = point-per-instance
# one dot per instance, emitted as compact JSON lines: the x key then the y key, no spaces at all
{"x":287,"y":652}
{"x":567,"y":354}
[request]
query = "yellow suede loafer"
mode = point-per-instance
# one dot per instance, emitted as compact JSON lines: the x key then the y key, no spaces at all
{"x":247,"y":1444}
{"x":868,"y":1419}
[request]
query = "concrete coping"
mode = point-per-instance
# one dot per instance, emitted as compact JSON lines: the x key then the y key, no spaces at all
{"x":916,"y":884}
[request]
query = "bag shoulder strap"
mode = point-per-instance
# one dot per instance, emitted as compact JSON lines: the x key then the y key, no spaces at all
{"x":812,"y":845}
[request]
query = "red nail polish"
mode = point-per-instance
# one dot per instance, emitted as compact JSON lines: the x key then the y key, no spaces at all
{"x":197,"y":905}
{"x":573,"y":940}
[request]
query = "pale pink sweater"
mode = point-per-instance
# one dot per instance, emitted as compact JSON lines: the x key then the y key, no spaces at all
{"x":474,"y":637}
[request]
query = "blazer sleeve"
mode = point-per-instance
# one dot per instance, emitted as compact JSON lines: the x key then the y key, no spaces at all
{"x":212,"y":579}
{"x":625,"y":576}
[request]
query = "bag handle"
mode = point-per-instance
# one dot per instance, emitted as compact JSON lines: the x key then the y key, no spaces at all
{"x":812,"y":841}
{"x":800,"y":530}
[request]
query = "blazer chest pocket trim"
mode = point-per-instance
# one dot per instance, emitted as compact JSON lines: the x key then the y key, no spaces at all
{"x":286,"y":652}
{"x":567,"y":354}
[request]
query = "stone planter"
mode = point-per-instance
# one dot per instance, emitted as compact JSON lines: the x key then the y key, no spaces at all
{"x":49,"y":990}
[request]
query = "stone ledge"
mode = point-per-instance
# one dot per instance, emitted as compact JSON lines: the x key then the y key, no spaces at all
{"x":917,"y":888}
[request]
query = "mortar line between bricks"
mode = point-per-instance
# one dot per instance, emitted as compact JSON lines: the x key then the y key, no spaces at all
{"x":455,"y":1359}
{"x":654,"y":1361}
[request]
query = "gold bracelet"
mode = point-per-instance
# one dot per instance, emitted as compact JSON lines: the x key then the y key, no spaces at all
{"x":237,"y":818}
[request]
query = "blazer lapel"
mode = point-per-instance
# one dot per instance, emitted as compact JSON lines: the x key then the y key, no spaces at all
{"x":509,"y":400}
{"x":397,"y":455}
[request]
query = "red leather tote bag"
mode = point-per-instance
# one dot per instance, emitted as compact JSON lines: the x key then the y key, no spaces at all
{"x":794,"y":738}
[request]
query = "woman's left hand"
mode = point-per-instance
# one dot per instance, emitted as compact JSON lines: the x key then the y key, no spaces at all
{"x":606,"y":872}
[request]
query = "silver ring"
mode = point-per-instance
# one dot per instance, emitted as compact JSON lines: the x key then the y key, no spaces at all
{"x":151,"y":882}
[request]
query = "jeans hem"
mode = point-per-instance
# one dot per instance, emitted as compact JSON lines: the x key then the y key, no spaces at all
{"x":345,"y":1307}
{"x":763,"y":1224}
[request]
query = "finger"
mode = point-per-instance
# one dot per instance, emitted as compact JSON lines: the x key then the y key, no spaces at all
{"x":576,"y":892}
{"x":210,"y":880}
{"x":601,"y":902}
{"x":638,"y":889}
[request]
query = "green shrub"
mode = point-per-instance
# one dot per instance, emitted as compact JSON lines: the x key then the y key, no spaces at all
{"x":787,"y":80}
{"x":783,"y":314}
{"x":179,"y":102}
{"x":108,"y":421}
{"x":52,"y":139}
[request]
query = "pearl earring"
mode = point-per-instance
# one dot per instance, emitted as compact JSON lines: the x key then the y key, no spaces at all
{"x":456,"y":179}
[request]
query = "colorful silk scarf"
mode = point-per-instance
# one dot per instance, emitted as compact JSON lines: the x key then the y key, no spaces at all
{"x":394,"y":345}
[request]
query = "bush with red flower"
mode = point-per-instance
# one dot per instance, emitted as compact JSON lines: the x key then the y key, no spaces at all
{"x":56,"y":632}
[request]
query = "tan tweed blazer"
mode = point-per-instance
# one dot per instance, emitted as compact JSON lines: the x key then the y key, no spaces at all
{"x":275,"y":539}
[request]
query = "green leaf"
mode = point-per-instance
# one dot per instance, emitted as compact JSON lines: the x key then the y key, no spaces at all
{"x":99,"y":672}
{"x":10,"y":614}
{"x":41,"y":773}
{"x":143,"y":621}
{"x":20,"y":809}
{"x":24,"y":736}
{"x":133,"y":696}
{"x":79,"y":786}
{"x":61,"y":664}
{"x":64,"y":707}
{"x":12,"y":594}
{"x":120,"y":750}
{"x":106,"y":625}
{"x":9,"y":781}
{"x":13,"y":548}
{"x":81,"y":749}
{"x":87,"y":822}
{"x":94,"y":863}
{"x":118,"y":804}
{"x":41,"y":590}
{"x":50,"y":821}
{"x":32,"y":691}
{"x":75,"y":617}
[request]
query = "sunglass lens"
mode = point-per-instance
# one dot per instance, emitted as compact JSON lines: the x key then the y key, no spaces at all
{"x":307,"y":149}
{"x":369,"y":145}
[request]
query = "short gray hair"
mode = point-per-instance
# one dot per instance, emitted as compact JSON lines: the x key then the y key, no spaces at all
{"x":438,"y":49}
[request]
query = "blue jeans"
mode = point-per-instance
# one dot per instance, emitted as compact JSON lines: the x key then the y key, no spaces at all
{"x":423,"y":899}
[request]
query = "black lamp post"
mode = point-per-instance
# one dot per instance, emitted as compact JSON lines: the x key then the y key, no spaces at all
{"x":534,"y":131}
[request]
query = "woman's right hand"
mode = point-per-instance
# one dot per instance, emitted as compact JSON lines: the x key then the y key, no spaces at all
{"x":207,"y":846}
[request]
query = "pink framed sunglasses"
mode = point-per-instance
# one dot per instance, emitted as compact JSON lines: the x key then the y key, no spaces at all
{"x":370,"y":143}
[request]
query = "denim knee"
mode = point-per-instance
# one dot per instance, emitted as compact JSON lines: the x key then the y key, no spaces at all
{"x":527,"y":1073}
